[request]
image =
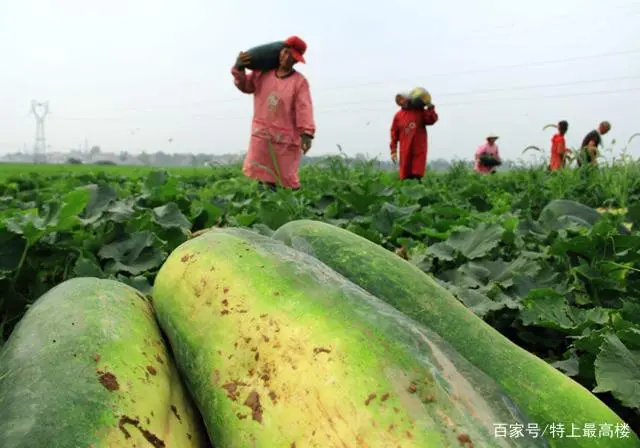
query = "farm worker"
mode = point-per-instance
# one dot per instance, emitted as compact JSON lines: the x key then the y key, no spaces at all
{"x":559,"y":147}
{"x":589,"y":148}
{"x":282,"y":116}
{"x":409,"y":129}
{"x":487,"y":149}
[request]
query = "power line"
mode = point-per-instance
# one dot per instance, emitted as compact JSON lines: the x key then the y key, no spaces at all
{"x":453,"y":73}
{"x":478,"y":36}
{"x":335,"y":110}
{"x":508,"y":89}
{"x":502,"y":67}
{"x":500,"y":100}
{"x":510,"y":27}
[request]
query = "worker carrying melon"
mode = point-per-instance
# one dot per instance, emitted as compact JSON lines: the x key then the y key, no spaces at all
{"x":283,"y":122}
{"x":487,"y":156}
{"x":409,"y":129}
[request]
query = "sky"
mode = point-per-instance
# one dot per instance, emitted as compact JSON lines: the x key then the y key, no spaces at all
{"x":155,"y":75}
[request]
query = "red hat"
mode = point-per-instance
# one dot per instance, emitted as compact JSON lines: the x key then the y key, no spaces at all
{"x":297,"y":47}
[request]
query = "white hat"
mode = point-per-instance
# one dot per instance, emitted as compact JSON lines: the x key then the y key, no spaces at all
{"x":493,"y":135}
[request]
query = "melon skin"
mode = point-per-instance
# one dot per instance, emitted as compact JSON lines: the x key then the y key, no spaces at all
{"x":545,"y":394}
{"x":278,"y":350}
{"x":87,"y":367}
{"x":265,"y":57}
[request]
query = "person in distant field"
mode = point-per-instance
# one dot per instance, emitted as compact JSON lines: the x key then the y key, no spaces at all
{"x":282,"y":116}
{"x":408,"y":128}
{"x":588,"y":154}
{"x":487,"y":149}
{"x":559,"y":147}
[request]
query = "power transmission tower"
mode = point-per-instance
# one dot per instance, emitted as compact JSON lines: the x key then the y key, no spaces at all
{"x":40,"y":111}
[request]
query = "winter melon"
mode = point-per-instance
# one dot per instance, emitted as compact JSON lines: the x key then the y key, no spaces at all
{"x":419,"y":98}
{"x":87,"y":367}
{"x":545,"y":394}
{"x":265,"y":57}
{"x":281,"y":351}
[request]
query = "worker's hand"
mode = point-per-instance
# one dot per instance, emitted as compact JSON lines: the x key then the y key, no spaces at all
{"x":305,"y":144}
{"x":394,"y":157}
{"x":243,"y":60}
{"x":430,"y":106}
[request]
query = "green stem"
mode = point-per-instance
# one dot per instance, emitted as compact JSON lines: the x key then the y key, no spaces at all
{"x":621,"y":266}
{"x":21,"y":263}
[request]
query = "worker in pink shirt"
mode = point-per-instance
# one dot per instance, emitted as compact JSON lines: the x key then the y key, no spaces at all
{"x":488,"y":149}
{"x":282,"y":117}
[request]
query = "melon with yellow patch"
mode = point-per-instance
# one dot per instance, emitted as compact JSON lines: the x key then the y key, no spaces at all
{"x":87,"y":367}
{"x":281,"y":351}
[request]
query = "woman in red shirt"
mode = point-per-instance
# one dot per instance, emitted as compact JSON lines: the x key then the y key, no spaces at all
{"x":559,"y":147}
{"x":408,"y":128}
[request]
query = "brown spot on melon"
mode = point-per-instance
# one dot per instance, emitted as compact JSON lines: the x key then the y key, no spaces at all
{"x":109,"y":381}
{"x":253,"y":402}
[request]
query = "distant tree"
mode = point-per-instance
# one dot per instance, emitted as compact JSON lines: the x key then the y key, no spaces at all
{"x":144,"y":158}
{"x":74,"y":161}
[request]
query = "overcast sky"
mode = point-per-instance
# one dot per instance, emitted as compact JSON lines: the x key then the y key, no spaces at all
{"x":130,"y":75}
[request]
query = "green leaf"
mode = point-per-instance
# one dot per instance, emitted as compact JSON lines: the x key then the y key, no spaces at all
{"x":134,"y":254}
{"x":148,"y":259}
{"x":170,"y":216}
{"x":569,"y":366}
{"x":390,"y":214}
{"x":273,"y":214}
{"x":73,"y":204}
{"x":562,"y":214}
{"x":617,"y":371}
{"x":630,"y":337}
{"x":11,"y":248}
{"x":442,"y":251}
{"x":29,"y":224}
{"x":140,"y":282}
{"x":100,"y":197}
{"x":478,"y":242}
{"x":88,"y":267}
{"x":480,"y":304}
{"x":547,"y":308}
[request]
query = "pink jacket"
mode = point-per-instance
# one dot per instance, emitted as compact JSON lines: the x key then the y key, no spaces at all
{"x":489,"y":149}
{"x":282,"y":111}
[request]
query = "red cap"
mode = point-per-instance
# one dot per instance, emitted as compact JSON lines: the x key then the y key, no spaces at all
{"x":297,"y":47}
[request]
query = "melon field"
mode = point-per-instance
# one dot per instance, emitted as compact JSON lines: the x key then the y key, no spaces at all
{"x":550,"y":260}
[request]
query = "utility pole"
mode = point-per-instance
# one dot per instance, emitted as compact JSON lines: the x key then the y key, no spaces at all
{"x":40,"y":111}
